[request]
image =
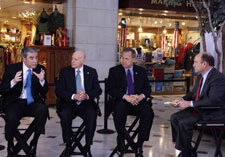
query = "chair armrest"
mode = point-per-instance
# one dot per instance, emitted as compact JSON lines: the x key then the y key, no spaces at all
{"x":211,"y":107}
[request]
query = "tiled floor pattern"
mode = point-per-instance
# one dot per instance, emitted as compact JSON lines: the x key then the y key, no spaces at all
{"x":159,"y":145}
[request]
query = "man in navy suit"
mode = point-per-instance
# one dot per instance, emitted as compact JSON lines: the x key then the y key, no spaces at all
{"x":15,"y":95}
{"x":208,"y":91}
{"x":129,"y":87}
{"x":78,"y":101}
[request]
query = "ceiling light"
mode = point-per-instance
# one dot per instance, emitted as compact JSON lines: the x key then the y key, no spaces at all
{"x":140,"y":29}
{"x":140,"y":13}
{"x":183,"y":23}
{"x":140,"y":9}
{"x":165,"y":11}
{"x":120,"y":14}
{"x":155,"y":22}
{"x":14,"y":17}
{"x":26,"y":2}
{"x":28,"y":13}
{"x":164,"y":31}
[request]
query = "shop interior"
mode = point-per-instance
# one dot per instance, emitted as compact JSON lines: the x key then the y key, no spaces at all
{"x":37,"y":23}
{"x":165,"y":41}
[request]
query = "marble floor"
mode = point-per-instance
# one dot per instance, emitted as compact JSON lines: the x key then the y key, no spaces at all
{"x":159,"y":145}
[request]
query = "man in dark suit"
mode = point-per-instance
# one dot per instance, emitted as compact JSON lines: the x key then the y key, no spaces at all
{"x":129,"y":87}
{"x":209,"y":90}
{"x":77,"y":88}
{"x":23,"y":88}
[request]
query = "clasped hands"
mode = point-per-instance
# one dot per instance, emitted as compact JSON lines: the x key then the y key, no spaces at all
{"x":134,"y":99}
{"x":80,"y":96}
{"x":18,"y":76}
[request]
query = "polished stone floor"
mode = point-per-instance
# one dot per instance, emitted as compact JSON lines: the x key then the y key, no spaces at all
{"x":159,"y":145}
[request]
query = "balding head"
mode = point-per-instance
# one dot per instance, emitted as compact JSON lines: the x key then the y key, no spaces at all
{"x":203,"y":62}
{"x":78,"y":59}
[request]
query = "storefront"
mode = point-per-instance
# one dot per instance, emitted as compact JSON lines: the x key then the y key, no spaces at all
{"x":165,"y":36}
{"x":40,"y":24}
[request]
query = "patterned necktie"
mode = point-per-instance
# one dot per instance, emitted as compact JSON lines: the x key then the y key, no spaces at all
{"x":130,"y":85}
{"x":78,"y":84}
{"x":30,"y":98}
{"x":199,"y":89}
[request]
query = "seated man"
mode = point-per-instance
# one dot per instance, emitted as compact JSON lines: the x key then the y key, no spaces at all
{"x":208,"y":91}
{"x":23,"y":88}
{"x":77,"y":87}
{"x":129,"y":86}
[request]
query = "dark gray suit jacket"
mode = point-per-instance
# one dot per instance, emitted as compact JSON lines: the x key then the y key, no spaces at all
{"x":213,"y":94}
{"x":12,"y":94}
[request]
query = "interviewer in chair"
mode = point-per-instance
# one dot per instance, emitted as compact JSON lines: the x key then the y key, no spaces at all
{"x":208,"y":91}
{"x":77,"y":88}
{"x":129,"y":87}
{"x":24,"y":88}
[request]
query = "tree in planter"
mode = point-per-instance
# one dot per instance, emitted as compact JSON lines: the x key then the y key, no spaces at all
{"x":211,"y":18}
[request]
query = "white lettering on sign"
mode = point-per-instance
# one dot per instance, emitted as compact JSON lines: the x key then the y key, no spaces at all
{"x":169,"y":3}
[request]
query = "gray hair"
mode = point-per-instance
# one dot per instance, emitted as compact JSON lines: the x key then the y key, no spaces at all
{"x":29,"y":49}
{"x":80,"y":50}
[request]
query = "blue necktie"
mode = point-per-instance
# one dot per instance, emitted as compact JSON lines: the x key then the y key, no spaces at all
{"x":130,"y":85}
{"x":78,"y":84}
{"x":30,"y":98}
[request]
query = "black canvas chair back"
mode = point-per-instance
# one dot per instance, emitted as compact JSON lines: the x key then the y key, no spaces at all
{"x":215,"y":127}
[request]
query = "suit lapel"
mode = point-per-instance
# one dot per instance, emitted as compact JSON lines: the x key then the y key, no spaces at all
{"x":122,"y":75}
{"x":21,"y":82}
{"x":206,"y":82}
{"x":135,"y":74}
{"x":73,"y":79}
{"x":86,"y":76}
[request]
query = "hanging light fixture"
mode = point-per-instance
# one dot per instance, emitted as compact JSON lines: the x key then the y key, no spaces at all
{"x":28,"y":13}
{"x":164,"y":29}
{"x":140,"y":29}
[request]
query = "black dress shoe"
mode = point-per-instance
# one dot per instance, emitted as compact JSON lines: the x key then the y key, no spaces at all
{"x":11,"y":152}
{"x":67,"y":152}
{"x":121,"y":144}
{"x":2,"y":147}
{"x":32,"y":151}
{"x":185,"y":154}
{"x":194,"y":154}
{"x":87,"y":153}
{"x":139,"y":152}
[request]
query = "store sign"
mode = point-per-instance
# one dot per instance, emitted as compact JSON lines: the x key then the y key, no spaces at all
{"x":185,"y":6}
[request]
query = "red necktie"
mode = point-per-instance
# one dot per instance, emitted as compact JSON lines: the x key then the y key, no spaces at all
{"x":199,"y":89}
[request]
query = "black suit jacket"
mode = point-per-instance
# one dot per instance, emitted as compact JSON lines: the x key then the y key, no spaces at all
{"x":12,"y":94}
{"x":66,"y":85}
{"x":118,"y":82}
{"x":213,"y":94}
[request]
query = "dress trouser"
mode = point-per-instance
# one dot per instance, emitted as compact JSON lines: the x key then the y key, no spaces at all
{"x":15,"y":111}
{"x":87,"y":112}
{"x":182,"y":123}
{"x":143,"y":110}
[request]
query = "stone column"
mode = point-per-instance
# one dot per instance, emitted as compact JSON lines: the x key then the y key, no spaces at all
{"x":92,"y":26}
